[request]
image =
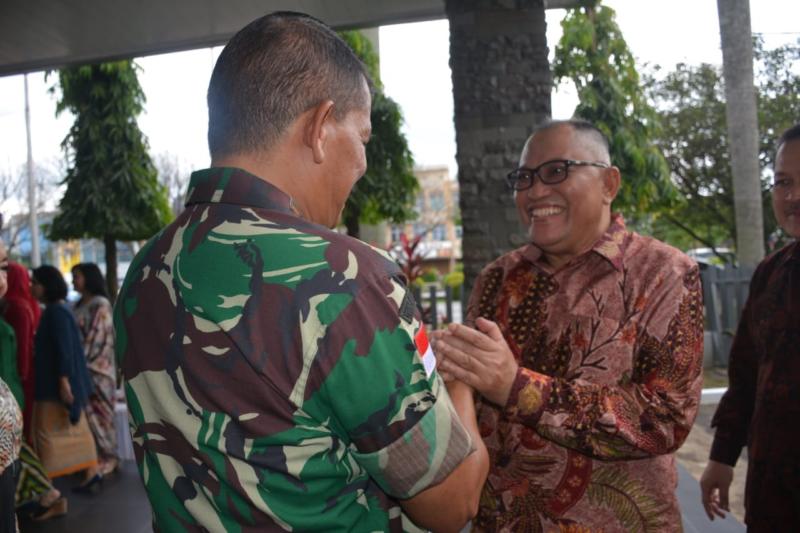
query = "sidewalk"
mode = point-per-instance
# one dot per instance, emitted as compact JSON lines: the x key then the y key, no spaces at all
{"x":120,"y":507}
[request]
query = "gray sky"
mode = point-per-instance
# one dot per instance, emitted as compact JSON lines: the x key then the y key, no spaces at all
{"x":415,"y":72}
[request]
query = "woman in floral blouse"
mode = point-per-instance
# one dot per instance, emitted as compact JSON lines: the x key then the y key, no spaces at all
{"x":93,"y":314}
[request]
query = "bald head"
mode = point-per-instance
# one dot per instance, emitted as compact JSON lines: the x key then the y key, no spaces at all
{"x":591,"y":138}
{"x":567,"y":204}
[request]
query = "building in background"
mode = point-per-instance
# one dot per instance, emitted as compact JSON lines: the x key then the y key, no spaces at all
{"x":438,"y":219}
{"x":61,"y":254}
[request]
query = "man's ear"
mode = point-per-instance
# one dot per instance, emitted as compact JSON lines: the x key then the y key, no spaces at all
{"x":611,"y":183}
{"x":315,"y":133}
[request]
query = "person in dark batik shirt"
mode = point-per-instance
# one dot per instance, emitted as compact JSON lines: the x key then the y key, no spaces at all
{"x":278,"y":374}
{"x":761,"y":407}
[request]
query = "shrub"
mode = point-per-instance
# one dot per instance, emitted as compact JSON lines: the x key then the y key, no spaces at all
{"x":454,"y":280}
{"x":430,"y":275}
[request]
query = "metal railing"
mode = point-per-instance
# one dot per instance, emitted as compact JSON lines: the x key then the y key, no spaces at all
{"x":725,"y":292}
{"x":435,"y":311}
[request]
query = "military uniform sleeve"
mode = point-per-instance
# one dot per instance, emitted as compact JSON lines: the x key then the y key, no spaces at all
{"x":647,"y":413}
{"x":391,"y":405}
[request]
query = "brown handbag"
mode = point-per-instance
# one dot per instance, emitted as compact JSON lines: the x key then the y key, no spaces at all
{"x":64,"y":448}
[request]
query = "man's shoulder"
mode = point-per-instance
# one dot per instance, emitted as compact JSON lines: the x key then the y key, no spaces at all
{"x":651,"y":253}
{"x":790,"y":251}
{"x":777,"y":258}
{"x":227,"y":245}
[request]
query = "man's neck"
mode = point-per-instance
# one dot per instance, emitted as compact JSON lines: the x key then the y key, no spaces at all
{"x":269,"y":169}
{"x":557,"y":259}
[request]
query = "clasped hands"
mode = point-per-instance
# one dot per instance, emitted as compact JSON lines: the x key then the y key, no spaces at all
{"x":480,"y":358}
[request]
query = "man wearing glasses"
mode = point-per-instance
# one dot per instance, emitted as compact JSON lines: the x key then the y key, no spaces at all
{"x":761,"y":407}
{"x":586,"y":352}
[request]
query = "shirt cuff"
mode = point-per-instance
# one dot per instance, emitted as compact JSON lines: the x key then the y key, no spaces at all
{"x":529,"y":395}
{"x":723,"y":451}
{"x":425,"y":455}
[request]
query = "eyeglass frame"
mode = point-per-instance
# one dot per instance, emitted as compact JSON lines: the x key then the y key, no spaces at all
{"x":511,"y":179}
{"x":783,"y":186}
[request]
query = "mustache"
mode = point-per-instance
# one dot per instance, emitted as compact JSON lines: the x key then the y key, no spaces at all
{"x":793,"y":208}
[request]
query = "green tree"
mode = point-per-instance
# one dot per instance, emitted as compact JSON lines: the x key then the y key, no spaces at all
{"x":691,"y":105}
{"x":593,"y":54}
{"x":112,"y":189}
{"x":387,"y":190}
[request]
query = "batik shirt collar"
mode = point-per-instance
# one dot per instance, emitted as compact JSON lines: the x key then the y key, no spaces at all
{"x":611,"y":245}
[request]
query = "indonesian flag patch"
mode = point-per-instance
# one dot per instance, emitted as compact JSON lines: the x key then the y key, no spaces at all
{"x":425,"y":351}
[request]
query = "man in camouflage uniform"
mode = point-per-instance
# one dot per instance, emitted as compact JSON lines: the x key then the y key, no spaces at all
{"x":275,"y":369}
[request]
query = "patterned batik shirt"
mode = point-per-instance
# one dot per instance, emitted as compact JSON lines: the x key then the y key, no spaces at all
{"x":610,"y":351}
{"x":271,"y":371}
{"x":10,"y":427}
{"x":761,"y":407}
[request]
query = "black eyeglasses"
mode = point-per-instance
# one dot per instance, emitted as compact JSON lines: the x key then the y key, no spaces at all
{"x":549,"y":172}
{"x":782,"y":185}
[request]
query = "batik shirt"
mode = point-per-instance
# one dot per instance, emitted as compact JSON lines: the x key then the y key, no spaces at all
{"x":761,"y":407}
{"x":271,"y":371}
{"x":610,"y":352}
{"x":10,"y":427}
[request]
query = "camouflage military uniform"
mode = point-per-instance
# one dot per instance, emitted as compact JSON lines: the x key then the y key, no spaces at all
{"x":271,"y":372}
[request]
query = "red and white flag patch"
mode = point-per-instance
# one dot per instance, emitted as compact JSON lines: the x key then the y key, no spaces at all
{"x":425,"y":350}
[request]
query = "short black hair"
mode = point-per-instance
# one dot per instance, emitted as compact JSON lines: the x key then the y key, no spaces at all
{"x":270,"y":72}
{"x":93,"y":281}
{"x":789,"y":135}
{"x":49,"y":277}
{"x":581,"y":126}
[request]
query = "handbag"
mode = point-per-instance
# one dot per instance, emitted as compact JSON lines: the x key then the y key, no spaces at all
{"x":63,"y":447}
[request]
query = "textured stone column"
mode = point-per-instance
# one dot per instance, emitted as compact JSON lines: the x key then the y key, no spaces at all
{"x":501,"y":91}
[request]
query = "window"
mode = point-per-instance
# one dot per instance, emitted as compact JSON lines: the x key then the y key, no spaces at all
{"x":439,"y":233}
{"x":419,"y":204}
{"x":396,"y":232}
{"x":436,"y":200}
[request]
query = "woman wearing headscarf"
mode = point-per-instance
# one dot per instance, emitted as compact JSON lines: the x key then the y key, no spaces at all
{"x":94,"y":316}
{"x":60,"y":432}
{"x":22,"y":312}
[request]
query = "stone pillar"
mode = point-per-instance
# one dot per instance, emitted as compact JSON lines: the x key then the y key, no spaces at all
{"x":501,"y":91}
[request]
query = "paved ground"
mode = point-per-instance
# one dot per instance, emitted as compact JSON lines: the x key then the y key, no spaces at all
{"x":122,"y":507}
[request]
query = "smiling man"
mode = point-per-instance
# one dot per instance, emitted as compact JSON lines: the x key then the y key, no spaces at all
{"x":271,"y":369}
{"x":586,"y":352}
{"x":761,"y":407}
